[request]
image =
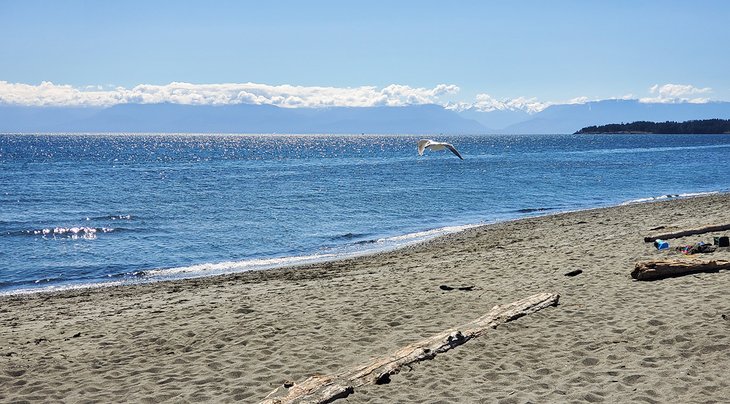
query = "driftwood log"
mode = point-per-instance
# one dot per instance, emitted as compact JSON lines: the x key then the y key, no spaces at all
{"x":683,"y":233}
{"x":324,"y":389}
{"x":651,"y":270}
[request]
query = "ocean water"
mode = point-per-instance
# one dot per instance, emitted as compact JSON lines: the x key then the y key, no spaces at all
{"x":118,"y":208}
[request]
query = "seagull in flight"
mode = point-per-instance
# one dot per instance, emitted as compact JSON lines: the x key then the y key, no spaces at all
{"x":424,"y":144}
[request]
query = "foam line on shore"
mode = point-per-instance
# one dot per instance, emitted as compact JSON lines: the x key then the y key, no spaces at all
{"x":257,"y":264}
{"x":670,"y":196}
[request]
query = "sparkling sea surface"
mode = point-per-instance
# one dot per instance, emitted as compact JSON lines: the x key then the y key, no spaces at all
{"x":81,"y":209}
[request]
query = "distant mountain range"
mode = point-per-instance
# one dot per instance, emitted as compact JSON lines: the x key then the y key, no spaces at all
{"x":414,"y":119}
{"x":240,"y":118}
{"x":569,"y":118}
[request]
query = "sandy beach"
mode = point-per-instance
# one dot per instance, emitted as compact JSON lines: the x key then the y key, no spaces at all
{"x":236,"y":338}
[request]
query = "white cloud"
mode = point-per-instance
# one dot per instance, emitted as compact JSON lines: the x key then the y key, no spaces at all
{"x":585,"y":100}
{"x":675,"y":93}
{"x":289,"y":96}
{"x":49,"y":94}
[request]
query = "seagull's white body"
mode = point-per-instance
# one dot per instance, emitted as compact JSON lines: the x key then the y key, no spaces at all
{"x":424,"y":144}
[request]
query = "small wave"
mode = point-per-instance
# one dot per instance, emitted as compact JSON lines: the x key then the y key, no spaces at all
{"x":363,"y":242}
{"x":47,"y":280}
{"x":349,"y":236}
{"x":60,"y":287}
{"x":56,"y":284}
{"x":112,"y":217}
{"x":633,"y":150}
{"x":532,"y":210}
{"x":73,"y":233}
{"x":669,"y":196}
{"x":425,"y":235}
{"x":135,"y":274}
{"x":236,"y":266}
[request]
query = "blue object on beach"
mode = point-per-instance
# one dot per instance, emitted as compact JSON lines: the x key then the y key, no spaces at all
{"x":661,"y":244}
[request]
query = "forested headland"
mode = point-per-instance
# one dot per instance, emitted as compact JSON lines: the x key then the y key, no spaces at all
{"x":705,"y":126}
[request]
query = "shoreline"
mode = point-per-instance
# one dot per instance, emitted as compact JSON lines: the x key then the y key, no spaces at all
{"x":304,"y":261}
{"x":237,"y":337}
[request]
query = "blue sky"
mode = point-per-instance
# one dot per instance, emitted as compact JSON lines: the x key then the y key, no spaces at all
{"x":546,"y":51}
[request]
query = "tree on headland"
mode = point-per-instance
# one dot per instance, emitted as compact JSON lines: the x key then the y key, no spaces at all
{"x":705,"y":126}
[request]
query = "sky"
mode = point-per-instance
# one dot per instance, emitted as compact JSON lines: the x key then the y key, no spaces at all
{"x":522,"y":53}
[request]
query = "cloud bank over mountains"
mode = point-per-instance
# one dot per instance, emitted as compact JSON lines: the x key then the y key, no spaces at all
{"x":289,"y":96}
{"x":486,"y":103}
{"x":286,"y":96}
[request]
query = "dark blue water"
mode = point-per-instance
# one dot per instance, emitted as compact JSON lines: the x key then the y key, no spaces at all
{"x":80,"y":209}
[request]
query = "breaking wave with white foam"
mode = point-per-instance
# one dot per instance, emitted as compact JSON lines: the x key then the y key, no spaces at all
{"x":74,"y":233}
{"x":342,"y":252}
{"x":669,"y":196}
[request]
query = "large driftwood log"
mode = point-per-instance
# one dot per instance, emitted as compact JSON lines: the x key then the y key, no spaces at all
{"x":651,"y":270}
{"x":683,"y":233}
{"x":324,"y":389}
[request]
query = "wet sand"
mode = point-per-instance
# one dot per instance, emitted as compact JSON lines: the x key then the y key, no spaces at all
{"x":235,"y":338}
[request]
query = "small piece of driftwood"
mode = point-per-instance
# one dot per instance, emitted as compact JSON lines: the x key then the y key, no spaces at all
{"x":652,"y":270}
{"x":324,"y":389}
{"x":683,"y":233}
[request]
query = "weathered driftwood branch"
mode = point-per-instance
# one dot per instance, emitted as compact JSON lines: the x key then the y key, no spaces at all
{"x":683,"y":233}
{"x":324,"y":389}
{"x":651,"y":270}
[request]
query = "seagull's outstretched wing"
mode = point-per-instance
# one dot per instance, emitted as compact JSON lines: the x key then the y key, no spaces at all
{"x":453,"y":150}
{"x":422,"y":144}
